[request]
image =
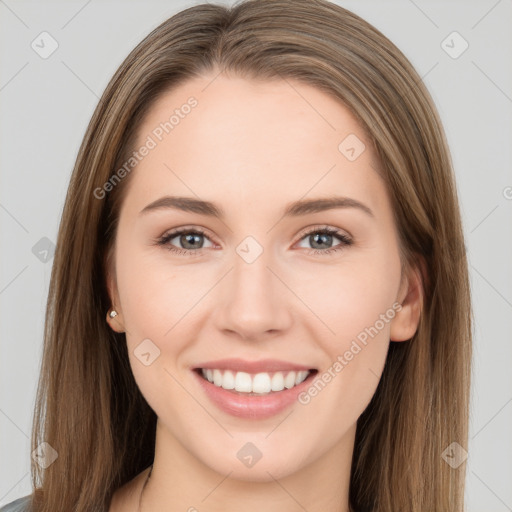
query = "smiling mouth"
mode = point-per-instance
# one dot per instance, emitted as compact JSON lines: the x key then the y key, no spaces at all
{"x":257,"y":384}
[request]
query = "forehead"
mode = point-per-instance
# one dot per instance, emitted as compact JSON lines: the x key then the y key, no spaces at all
{"x":219,"y":137}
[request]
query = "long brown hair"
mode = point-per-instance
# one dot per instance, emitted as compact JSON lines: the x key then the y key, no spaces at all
{"x":89,"y":408}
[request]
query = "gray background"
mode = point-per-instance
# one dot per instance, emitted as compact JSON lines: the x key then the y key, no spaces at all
{"x":46,"y":105}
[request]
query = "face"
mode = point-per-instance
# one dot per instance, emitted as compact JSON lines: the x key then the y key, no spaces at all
{"x":257,"y":285}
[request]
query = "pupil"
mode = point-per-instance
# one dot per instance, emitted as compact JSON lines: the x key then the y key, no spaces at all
{"x":321,"y":235}
{"x":185,"y":240}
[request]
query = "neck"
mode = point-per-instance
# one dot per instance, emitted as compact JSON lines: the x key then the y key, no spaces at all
{"x":322,"y":485}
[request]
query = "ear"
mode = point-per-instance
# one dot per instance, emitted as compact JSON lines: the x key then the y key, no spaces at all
{"x":116,"y":323}
{"x":410,"y":296}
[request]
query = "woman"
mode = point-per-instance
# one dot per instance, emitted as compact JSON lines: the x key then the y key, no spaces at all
{"x":255,"y":371}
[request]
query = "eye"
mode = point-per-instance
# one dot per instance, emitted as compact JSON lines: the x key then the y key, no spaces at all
{"x":190,"y":240}
{"x":324,"y":236}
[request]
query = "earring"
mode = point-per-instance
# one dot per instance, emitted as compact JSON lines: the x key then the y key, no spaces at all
{"x":113,"y":313}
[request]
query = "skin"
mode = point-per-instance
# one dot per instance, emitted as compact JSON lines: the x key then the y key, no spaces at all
{"x":252,"y":148}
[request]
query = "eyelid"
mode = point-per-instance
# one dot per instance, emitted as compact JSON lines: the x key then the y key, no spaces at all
{"x":187,"y":229}
{"x":327,"y":227}
{"x":306,"y":231}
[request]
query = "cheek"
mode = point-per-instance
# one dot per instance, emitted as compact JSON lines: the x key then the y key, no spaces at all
{"x":355,"y":357}
{"x":160,"y":302}
{"x":154,"y":293}
{"x":155,"y":303}
{"x":345,"y":299}
{"x":355,"y":305}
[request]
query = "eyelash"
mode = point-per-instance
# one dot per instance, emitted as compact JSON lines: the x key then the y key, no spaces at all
{"x":163,"y":241}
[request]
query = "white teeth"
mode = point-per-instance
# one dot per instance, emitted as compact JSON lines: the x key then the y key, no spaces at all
{"x":289,"y":381}
{"x":243,"y":382}
{"x":261,"y":383}
{"x":278,"y":382}
{"x":217,"y":377}
{"x":300,"y":377}
{"x":228,"y":380}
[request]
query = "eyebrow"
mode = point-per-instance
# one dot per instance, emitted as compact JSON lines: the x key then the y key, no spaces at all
{"x":295,"y":209}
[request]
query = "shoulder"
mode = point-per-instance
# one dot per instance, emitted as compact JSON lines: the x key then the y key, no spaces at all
{"x":20,"y":505}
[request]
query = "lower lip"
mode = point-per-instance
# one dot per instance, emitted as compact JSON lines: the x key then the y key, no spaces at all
{"x":243,"y":405}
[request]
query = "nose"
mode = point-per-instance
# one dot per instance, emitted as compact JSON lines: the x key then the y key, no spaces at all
{"x":253,"y":302}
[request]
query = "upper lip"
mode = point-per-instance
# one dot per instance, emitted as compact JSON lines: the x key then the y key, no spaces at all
{"x":263,"y":365}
